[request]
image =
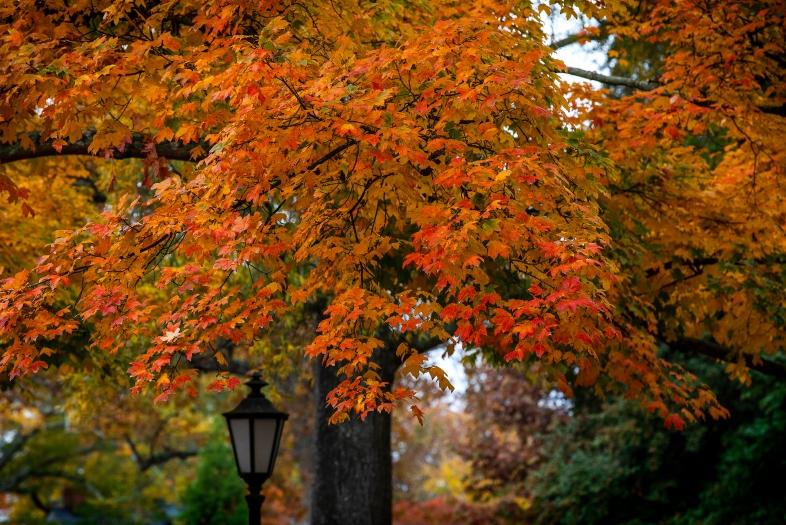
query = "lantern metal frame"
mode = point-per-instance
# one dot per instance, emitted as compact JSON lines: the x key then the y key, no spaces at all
{"x":255,"y":407}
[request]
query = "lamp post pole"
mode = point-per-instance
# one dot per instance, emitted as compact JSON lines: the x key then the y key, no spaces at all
{"x":254,"y":499}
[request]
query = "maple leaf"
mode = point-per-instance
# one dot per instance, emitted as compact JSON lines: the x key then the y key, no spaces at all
{"x":170,"y":335}
{"x":417,"y":412}
{"x":674,"y":421}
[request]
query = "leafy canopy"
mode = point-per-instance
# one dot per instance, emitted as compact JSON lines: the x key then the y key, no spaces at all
{"x":418,"y":166}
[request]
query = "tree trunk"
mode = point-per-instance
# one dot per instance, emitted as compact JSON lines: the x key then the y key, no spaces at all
{"x":353,"y":471}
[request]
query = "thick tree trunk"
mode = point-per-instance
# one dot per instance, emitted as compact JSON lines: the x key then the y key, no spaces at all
{"x":353,"y":469}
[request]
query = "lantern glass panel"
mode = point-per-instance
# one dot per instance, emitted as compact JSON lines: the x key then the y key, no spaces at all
{"x":264,"y":440}
{"x":241,"y":437}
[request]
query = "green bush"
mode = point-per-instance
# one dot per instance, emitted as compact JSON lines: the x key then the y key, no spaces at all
{"x":217,"y":494}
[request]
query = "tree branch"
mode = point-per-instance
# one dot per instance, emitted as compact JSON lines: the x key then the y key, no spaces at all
{"x":716,"y":351}
{"x":565,"y":42}
{"x":588,"y":33}
{"x":699,"y":262}
{"x":612,"y":80}
{"x":616,"y":80}
{"x":12,"y":482}
{"x":138,"y":148}
{"x":207,"y":363}
{"x":38,"y":502}
{"x":165,"y":456}
{"x":153,"y":459}
{"x":774,"y":110}
{"x":330,"y":154}
{"x":17,"y":442}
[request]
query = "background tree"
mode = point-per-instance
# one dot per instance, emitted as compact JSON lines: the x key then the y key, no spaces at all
{"x":612,"y":464}
{"x":511,"y":414}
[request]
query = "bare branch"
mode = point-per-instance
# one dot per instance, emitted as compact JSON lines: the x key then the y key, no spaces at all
{"x":612,"y":80}
{"x":153,"y":459}
{"x":565,"y":42}
{"x":585,"y":35}
{"x":165,"y":456}
{"x":648,"y":85}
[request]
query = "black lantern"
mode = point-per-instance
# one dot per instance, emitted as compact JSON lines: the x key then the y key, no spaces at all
{"x":255,"y":428}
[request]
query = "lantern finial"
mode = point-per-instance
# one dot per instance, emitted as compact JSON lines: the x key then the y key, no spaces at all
{"x":256,"y":384}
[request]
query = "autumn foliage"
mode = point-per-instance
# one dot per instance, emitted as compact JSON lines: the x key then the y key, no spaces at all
{"x":421,"y":168}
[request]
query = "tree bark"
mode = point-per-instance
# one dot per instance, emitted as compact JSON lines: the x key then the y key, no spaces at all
{"x":353,"y":470}
{"x":139,"y":147}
